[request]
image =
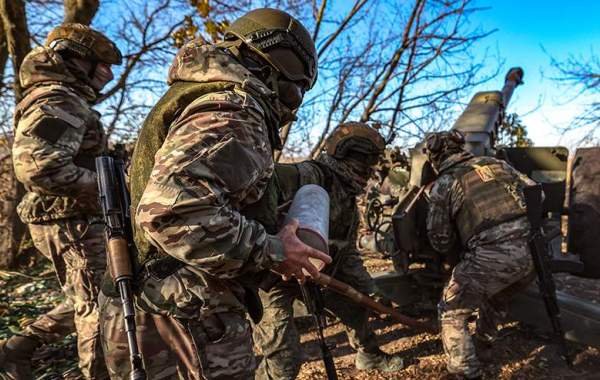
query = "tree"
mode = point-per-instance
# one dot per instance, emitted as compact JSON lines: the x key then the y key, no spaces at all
{"x":409,"y":78}
{"x":16,"y":36}
{"x":81,"y":11}
{"x":513,"y":133}
{"x":405,"y":65}
{"x":581,"y":77}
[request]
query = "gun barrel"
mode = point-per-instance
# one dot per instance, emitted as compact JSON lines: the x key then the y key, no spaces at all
{"x":513,"y":78}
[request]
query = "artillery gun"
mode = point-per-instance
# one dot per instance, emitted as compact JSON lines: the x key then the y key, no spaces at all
{"x":571,"y":208}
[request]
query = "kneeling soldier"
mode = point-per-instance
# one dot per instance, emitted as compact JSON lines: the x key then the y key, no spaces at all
{"x":476,"y":204}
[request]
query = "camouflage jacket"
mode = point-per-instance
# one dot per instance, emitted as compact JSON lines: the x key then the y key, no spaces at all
{"x":445,"y":201}
{"x":57,"y":137}
{"x":215,"y":161}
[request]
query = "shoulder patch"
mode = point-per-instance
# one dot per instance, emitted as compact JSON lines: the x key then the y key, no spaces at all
{"x":57,"y":112}
{"x":486,"y":173}
{"x":49,"y":129}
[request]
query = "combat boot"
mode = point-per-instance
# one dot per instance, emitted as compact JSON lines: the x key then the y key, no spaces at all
{"x":15,"y":357}
{"x":378,"y":360}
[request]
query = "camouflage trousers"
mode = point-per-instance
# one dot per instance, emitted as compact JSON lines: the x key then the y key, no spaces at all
{"x":160,"y":362}
{"x":484,"y":280}
{"x":277,"y":336}
{"x":218,"y":347}
{"x":76,"y":249}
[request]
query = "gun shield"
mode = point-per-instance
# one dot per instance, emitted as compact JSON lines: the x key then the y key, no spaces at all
{"x":311,"y":208}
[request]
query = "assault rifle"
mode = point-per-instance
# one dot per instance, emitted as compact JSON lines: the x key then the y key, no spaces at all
{"x":313,"y":299}
{"x":541,"y":262}
{"x":114,"y":199}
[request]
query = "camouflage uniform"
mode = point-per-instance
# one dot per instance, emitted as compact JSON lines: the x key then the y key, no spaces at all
{"x":276,"y":334}
{"x":159,"y":361}
{"x":215,"y":161}
{"x":495,"y":257}
{"x":57,"y":136}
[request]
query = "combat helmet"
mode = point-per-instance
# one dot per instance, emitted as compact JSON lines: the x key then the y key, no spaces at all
{"x":354,"y":137}
{"x":440,"y":145}
{"x":84,"y":42}
{"x":281,"y":40}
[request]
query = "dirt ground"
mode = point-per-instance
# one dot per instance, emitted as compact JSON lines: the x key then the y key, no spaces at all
{"x":519,"y":354}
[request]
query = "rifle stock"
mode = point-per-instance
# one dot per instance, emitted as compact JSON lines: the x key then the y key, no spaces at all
{"x":114,"y":199}
{"x":366,"y":301}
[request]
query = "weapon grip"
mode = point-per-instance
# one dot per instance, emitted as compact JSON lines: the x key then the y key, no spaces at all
{"x":533,"y":202}
{"x":119,"y":262}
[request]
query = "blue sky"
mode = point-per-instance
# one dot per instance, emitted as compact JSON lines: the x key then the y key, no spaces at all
{"x":562,"y":28}
{"x":524,"y":30}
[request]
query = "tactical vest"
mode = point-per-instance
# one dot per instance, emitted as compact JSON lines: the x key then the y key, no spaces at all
{"x":492,"y":195}
{"x":152,"y":135}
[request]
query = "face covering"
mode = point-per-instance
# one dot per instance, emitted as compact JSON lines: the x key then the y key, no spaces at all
{"x":82,"y":69}
{"x":290,"y":94}
{"x":102,"y":75}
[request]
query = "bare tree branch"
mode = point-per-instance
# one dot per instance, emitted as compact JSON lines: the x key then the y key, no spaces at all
{"x":81,"y":11}
{"x":16,"y":32}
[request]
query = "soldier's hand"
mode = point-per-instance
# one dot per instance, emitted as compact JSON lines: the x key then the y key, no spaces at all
{"x":297,"y":255}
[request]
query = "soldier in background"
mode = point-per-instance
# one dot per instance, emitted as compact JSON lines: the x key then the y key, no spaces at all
{"x":343,"y":169}
{"x":57,"y":137}
{"x":376,"y":206}
{"x":476,"y":203}
{"x":213,"y":135}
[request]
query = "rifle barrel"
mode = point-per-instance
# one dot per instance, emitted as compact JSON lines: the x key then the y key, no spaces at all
{"x":315,"y":307}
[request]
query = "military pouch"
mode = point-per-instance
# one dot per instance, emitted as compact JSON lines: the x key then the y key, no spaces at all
{"x":224,"y":346}
{"x":162,"y":268}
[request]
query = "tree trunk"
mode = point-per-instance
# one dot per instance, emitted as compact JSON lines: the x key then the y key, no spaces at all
{"x":3,"y":53}
{"x":81,"y":11}
{"x":17,"y":36}
{"x":14,"y":41}
{"x":12,"y":230}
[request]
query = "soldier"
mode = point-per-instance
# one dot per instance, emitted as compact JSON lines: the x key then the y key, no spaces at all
{"x":57,"y":137}
{"x":204,"y":154}
{"x":343,"y":169}
{"x":476,"y":204}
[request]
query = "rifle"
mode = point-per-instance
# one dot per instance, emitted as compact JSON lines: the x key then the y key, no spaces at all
{"x":539,"y":253}
{"x":313,"y":299}
{"x":114,"y":199}
{"x":369,"y":303}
